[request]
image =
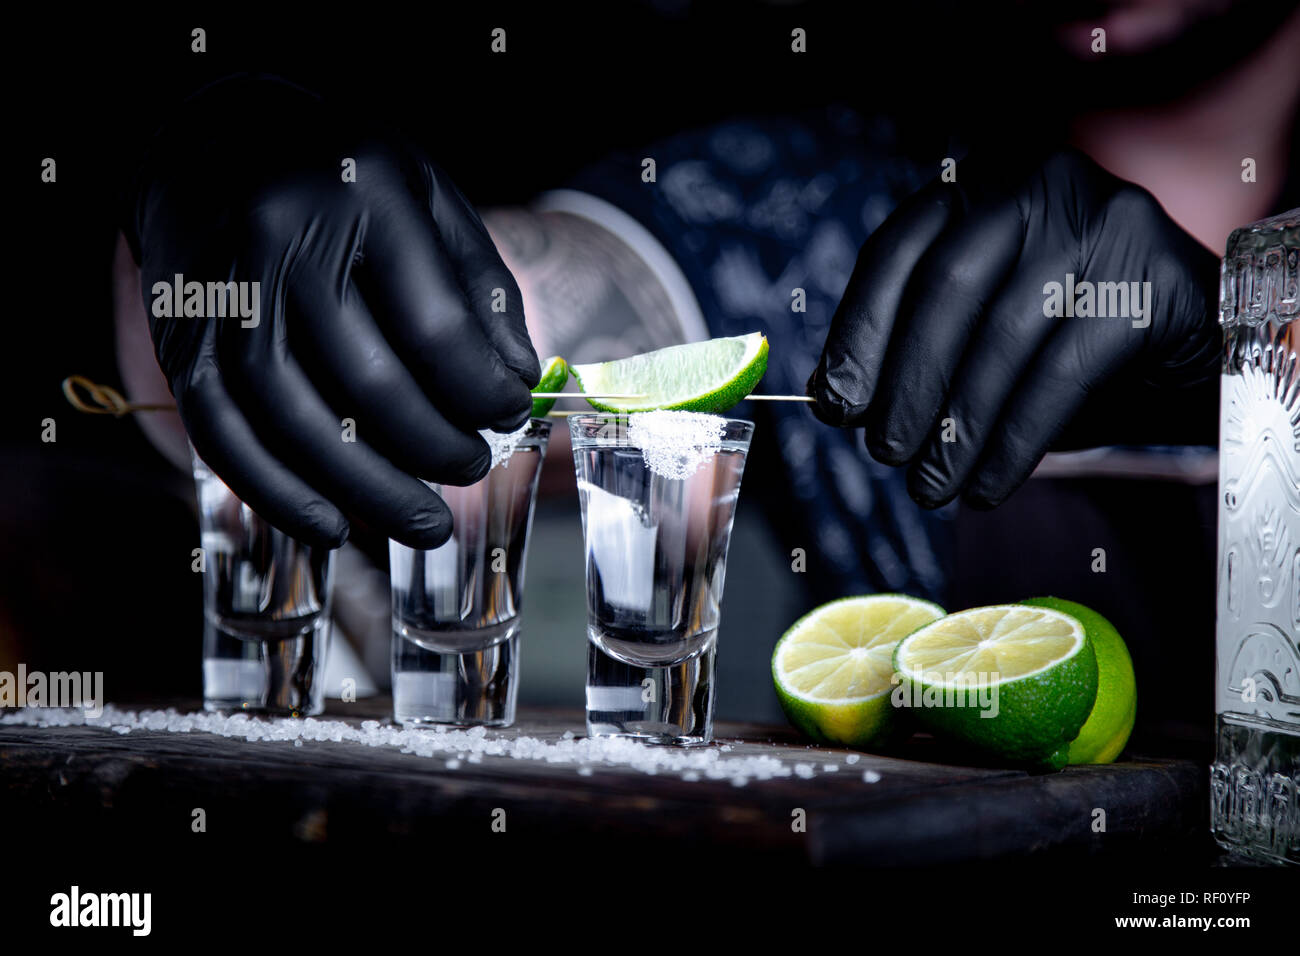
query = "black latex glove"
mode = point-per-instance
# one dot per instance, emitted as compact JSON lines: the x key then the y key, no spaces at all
{"x":944,"y":318}
{"x":376,"y":304}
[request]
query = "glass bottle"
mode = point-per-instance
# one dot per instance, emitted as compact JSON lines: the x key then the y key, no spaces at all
{"x":1255,"y":780}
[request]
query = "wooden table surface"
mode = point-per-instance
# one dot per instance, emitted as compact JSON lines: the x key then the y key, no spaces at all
{"x":924,"y":809}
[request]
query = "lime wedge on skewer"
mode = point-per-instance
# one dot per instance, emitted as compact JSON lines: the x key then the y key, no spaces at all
{"x":832,"y":668}
{"x":555,"y":375}
{"x":709,"y":376}
{"x":1015,"y":681}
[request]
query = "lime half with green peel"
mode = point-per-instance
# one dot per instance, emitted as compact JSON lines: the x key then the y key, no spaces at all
{"x":555,"y":375}
{"x":710,"y":376}
{"x":1014,"y":681}
{"x":832,"y":668}
{"x":1107,"y":729}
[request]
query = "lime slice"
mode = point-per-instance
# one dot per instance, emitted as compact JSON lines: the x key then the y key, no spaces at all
{"x":709,"y":376}
{"x":1014,"y":681}
{"x":832,"y":668}
{"x":555,"y":375}
{"x":1111,"y":721}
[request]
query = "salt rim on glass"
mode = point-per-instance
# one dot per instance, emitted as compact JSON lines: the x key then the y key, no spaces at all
{"x":675,"y":444}
{"x":502,"y":444}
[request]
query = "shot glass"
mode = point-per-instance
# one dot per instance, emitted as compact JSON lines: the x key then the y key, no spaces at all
{"x":456,"y":607}
{"x":266,"y":608}
{"x":657,"y":509}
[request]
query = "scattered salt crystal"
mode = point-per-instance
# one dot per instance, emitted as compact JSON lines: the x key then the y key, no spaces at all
{"x":830,"y":767}
{"x":852,"y":758}
{"x":454,"y":746}
{"x":675,"y":444}
{"x":870,"y":776}
{"x":503,"y":445}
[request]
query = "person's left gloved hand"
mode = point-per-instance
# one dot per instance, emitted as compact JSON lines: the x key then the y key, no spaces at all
{"x":942,"y":349}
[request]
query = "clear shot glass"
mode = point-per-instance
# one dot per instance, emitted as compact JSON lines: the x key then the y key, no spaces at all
{"x":266,"y":608}
{"x":456,"y":607}
{"x":657,"y":511}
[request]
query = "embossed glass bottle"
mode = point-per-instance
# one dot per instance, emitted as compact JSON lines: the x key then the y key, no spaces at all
{"x":1255,"y":780}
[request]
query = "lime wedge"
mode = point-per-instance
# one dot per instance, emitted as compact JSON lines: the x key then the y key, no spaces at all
{"x":832,"y":668}
{"x":555,"y":375}
{"x":709,"y":376}
{"x":1014,"y":681}
{"x":1111,"y":721}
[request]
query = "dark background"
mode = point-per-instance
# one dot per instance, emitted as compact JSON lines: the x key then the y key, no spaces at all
{"x":96,"y":529}
{"x":93,"y":527}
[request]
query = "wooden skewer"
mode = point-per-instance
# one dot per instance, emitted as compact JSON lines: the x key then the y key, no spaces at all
{"x":580,"y":395}
{"x":108,"y":401}
{"x":750,"y":398}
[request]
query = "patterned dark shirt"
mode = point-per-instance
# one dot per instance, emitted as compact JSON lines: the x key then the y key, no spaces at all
{"x":752,"y":209}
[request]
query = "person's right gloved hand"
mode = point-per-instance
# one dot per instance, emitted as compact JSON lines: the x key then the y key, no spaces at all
{"x":380,"y":301}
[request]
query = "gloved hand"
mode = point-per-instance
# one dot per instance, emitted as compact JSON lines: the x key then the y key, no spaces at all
{"x":942,"y":331}
{"x":376,"y":304}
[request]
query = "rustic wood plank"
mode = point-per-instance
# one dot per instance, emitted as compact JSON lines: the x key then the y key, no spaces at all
{"x":143,"y":786}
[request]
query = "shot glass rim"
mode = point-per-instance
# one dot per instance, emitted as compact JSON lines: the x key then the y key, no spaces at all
{"x":604,"y":416}
{"x":743,"y":425}
{"x":535,"y":432}
{"x":532,"y":438}
{"x":535,"y":421}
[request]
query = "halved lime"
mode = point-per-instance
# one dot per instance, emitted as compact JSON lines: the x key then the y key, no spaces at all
{"x":1015,"y":681}
{"x":832,"y":668}
{"x":555,"y":375}
{"x":1107,"y":729}
{"x":709,"y":376}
